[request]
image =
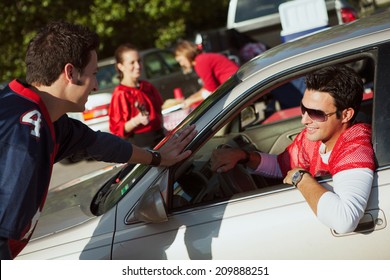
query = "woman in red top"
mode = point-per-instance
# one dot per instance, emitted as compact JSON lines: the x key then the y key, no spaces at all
{"x":135,"y":109}
{"x":213,"y":69}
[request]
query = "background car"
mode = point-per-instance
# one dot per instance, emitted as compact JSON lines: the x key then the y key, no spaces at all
{"x":260,"y":19}
{"x":255,"y":25}
{"x":189,"y":212}
{"x":158,"y":67}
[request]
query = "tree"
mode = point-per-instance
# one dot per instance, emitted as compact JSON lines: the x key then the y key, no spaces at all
{"x":145,"y":23}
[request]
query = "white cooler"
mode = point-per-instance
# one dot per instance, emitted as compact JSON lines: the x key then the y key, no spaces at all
{"x":302,"y":17}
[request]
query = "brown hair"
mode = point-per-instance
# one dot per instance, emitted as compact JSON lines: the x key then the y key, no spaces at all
{"x":187,"y":49}
{"x":54,"y":46}
{"x":342,"y":83}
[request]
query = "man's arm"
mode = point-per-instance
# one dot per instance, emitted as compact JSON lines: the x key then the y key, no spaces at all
{"x":113,"y":149}
{"x":309,"y":187}
{"x":342,"y":208}
{"x":170,"y":153}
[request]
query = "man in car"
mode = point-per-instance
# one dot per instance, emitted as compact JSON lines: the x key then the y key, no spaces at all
{"x":35,"y":131}
{"x":331,"y":143}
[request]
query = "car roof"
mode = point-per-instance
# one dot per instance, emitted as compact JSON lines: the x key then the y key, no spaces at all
{"x":358,"y":30}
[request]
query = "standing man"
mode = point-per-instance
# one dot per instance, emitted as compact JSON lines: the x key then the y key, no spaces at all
{"x":331,"y":143}
{"x":35,"y":132}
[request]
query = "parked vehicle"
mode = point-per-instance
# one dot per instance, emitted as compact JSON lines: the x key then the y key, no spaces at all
{"x":158,"y":67}
{"x":260,"y":19}
{"x":189,"y":212}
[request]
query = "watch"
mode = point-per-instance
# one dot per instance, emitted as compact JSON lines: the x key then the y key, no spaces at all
{"x":297,"y":176}
{"x":156,"y":158}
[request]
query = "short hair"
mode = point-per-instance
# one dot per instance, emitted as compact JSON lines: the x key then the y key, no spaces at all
{"x":119,"y":56}
{"x":54,"y":46}
{"x":187,"y":49}
{"x":342,"y":83}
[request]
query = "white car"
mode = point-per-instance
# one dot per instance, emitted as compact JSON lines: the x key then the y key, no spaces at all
{"x":189,"y":212}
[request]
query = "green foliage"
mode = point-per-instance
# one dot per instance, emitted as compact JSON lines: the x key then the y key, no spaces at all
{"x":145,"y":23}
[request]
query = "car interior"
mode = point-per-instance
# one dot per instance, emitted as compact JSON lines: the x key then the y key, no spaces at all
{"x":196,"y":184}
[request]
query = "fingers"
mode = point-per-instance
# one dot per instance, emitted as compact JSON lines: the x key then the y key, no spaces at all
{"x":172,"y":151}
{"x":185,"y":136}
{"x":183,"y":155}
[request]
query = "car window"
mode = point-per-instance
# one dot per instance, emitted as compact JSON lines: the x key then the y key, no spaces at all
{"x":154,"y":66}
{"x":107,"y":77}
{"x":266,"y":125}
{"x":170,"y":60}
{"x":250,"y":9}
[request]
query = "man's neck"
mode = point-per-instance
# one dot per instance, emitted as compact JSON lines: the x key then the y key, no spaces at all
{"x":53,"y":104}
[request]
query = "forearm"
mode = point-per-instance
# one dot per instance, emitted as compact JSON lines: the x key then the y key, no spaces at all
{"x":140,"y":155}
{"x":311,"y":190}
{"x":130,"y":125}
{"x":198,"y":96}
{"x":343,"y":208}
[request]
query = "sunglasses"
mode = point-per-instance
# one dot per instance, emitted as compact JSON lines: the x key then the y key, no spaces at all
{"x":316,"y":115}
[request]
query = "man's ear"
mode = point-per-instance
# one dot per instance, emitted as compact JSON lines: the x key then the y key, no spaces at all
{"x":71,"y":74}
{"x":347,"y":114}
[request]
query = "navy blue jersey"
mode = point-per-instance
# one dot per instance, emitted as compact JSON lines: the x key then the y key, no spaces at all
{"x":30,"y":143}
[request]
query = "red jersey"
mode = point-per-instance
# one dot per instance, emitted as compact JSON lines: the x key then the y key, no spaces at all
{"x":353,"y":149}
{"x":214,"y":69}
{"x":125,"y":104}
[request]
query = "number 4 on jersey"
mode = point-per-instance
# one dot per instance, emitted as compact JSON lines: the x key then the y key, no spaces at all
{"x":33,"y":119}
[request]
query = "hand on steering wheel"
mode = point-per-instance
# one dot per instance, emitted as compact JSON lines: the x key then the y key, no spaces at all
{"x":225,"y":158}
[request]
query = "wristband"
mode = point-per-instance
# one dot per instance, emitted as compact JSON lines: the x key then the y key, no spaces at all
{"x":156,"y":158}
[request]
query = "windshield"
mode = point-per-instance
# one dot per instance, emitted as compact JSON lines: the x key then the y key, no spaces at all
{"x":250,"y":9}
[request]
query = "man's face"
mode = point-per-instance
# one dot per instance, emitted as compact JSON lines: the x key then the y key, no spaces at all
{"x":328,"y":130}
{"x":86,"y":82}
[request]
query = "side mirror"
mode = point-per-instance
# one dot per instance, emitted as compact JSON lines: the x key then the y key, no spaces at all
{"x":150,"y":208}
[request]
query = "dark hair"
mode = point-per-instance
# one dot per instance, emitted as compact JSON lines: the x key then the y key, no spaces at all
{"x":54,"y":46}
{"x":188,"y":49}
{"x":119,"y":56}
{"x":342,"y":83}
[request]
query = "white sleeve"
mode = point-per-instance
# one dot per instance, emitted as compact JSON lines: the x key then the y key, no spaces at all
{"x":342,"y":209}
{"x":268,"y":166}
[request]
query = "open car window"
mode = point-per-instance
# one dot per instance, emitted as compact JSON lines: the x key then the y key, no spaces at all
{"x":269,"y":124}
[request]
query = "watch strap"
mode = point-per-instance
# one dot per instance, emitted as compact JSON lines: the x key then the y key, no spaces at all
{"x":156,"y":158}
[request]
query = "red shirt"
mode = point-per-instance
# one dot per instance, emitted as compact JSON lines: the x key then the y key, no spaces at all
{"x":214,"y":69}
{"x":353,"y":149}
{"x":123,"y":107}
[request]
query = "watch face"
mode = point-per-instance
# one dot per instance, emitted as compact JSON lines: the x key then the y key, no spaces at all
{"x":296,"y":177}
